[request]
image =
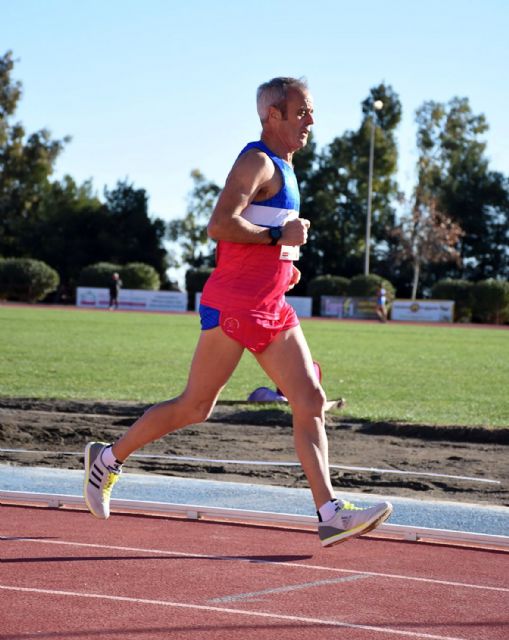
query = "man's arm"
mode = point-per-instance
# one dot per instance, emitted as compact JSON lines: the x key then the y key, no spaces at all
{"x":296,"y":274}
{"x":250,"y":177}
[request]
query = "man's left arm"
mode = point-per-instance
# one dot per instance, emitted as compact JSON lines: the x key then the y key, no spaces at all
{"x":295,"y":279}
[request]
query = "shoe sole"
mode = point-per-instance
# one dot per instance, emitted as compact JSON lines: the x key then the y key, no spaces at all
{"x":87,"y":476}
{"x":348,"y":535}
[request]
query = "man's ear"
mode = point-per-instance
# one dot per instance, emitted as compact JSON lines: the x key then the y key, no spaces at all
{"x":274,"y":112}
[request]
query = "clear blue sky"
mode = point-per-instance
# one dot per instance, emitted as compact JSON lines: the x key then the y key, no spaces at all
{"x":150,"y":89}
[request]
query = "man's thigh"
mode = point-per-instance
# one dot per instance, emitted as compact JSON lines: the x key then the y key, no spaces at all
{"x":215,"y":358}
{"x":288,"y":362}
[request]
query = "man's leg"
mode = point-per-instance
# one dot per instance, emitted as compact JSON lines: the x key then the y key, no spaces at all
{"x":214,"y":361}
{"x":288,"y":362}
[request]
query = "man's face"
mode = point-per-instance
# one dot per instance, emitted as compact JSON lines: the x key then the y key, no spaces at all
{"x":297,"y":119}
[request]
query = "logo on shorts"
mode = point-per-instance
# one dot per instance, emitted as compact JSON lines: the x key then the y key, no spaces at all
{"x":230,"y":325}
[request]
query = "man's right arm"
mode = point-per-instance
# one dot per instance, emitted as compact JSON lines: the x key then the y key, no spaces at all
{"x":251,"y":174}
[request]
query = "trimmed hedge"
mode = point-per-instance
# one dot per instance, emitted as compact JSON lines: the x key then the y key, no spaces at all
{"x":366,"y":286}
{"x":99,"y":274}
{"x":491,"y":301}
{"x":461,"y":291}
{"x":134,"y":275}
{"x":326,"y":285}
{"x":138,"y":275}
{"x":26,"y":280}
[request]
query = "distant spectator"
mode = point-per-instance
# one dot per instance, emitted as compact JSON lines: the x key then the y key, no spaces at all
{"x":381,"y":304}
{"x":115,"y":286}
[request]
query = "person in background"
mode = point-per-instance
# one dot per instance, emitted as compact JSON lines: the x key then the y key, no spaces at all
{"x":115,"y":286}
{"x":381,"y":304}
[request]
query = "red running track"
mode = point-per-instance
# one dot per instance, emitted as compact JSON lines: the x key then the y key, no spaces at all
{"x":65,"y":575}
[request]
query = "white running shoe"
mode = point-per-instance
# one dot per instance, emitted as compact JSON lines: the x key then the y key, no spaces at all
{"x":351,"y":521}
{"x":99,"y":480}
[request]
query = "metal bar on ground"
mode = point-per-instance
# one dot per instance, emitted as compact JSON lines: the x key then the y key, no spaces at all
{"x":195,"y":512}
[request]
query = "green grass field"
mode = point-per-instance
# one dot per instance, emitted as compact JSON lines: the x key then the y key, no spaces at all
{"x":392,"y":372}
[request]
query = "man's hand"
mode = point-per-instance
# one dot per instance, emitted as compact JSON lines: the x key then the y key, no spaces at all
{"x":295,"y":232}
{"x":295,"y":279}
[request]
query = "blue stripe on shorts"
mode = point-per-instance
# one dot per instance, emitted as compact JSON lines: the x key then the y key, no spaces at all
{"x":209,"y":317}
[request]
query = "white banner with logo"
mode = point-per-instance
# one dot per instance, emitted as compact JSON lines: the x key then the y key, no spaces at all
{"x":359,"y":308}
{"x":132,"y":299}
{"x":301,"y":304}
{"x":423,"y":310}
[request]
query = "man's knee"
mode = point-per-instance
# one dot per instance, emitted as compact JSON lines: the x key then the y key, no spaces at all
{"x":196,"y":411}
{"x":183,"y":410}
{"x":311,"y":403}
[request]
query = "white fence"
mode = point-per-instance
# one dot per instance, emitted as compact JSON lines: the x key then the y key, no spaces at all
{"x":132,"y":299}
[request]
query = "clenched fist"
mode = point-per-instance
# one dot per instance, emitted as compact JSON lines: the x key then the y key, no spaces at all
{"x":295,"y":232}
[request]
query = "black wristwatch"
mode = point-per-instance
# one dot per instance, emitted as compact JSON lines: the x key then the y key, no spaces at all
{"x":275,"y":234}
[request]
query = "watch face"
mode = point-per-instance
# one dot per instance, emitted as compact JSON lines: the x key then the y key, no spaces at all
{"x":275,"y":233}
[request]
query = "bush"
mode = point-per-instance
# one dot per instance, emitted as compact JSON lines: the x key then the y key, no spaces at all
{"x":491,"y":301}
{"x":26,"y":280}
{"x":99,"y":274}
{"x":366,"y":286}
{"x":195,"y":281}
{"x":138,"y":275}
{"x":461,"y":291}
{"x":326,"y":286}
{"x":134,"y":275}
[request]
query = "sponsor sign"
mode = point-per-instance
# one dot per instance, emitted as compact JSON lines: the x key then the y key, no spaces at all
{"x":423,"y":310}
{"x":302,"y":305}
{"x":348,"y":307}
{"x":132,"y":299}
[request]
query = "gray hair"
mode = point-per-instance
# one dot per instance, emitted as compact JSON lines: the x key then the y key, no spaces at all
{"x":274,"y":93}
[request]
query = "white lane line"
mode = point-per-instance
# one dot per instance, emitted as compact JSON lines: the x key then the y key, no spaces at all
{"x":291,"y":587}
{"x":266,"y":463}
{"x":279,"y":563}
{"x":236,"y":612}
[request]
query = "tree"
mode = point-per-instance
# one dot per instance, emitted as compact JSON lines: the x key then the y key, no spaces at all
{"x":454,"y":171}
{"x":77,"y":228}
{"x":191,"y":231}
{"x":133,"y":235}
{"x":73,"y":223}
{"x":336,"y":193}
{"x":427,"y":236}
{"x":26,"y":162}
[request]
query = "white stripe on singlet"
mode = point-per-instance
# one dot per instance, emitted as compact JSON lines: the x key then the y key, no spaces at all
{"x":268,"y":216}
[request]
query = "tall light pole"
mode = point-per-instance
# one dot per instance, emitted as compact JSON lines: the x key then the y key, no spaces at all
{"x":377,"y":105}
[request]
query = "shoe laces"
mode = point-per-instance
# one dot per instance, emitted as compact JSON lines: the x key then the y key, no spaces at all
{"x":112,"y":478}
{"x":348,"y":506}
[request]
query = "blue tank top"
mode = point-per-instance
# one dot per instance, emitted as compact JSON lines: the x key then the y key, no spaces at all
{"x":284,"y":202}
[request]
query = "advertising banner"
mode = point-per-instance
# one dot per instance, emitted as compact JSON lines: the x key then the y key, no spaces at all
{"x":423,"y":310}
{"x":132,"y":299}
{"x":348,"y":307}
{"x":302,"y":305}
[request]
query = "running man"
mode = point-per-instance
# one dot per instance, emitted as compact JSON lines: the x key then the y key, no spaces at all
{"x":258,"y":230}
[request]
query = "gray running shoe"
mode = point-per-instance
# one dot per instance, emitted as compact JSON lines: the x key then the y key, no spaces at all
{"x":351,"y":521}
{"x":99,"y":480}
